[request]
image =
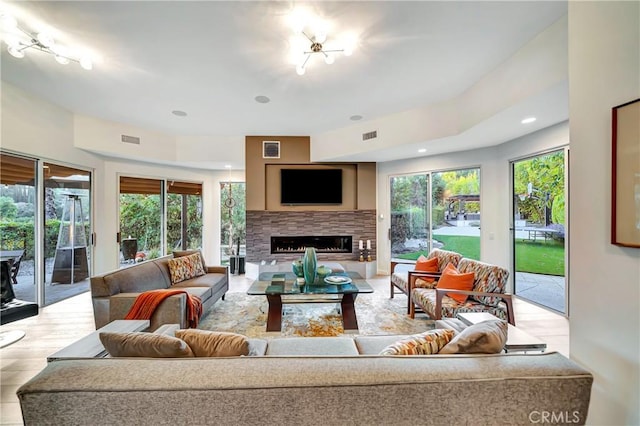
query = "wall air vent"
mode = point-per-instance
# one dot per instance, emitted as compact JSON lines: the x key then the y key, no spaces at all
{"x":369,"y":135}
{"x":270,"y":149}
{"x":131,"y":139}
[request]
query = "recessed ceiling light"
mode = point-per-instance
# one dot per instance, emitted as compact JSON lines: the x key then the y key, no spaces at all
{"x":421,"y":150}
{"x":227,"y":166}
{"x":179,"y":113}
{"x":262,"y":99}
{"x":528,"y":120}
{"x":355,"y":117}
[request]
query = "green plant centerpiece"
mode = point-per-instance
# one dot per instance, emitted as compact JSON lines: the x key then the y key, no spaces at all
{"x":323,"y":272}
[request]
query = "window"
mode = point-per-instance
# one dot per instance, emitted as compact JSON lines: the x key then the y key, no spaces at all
{"x":184,"y":216}
{"x":451,"y":220}
{"x":232,"y":220}
{"x":141,"y":216}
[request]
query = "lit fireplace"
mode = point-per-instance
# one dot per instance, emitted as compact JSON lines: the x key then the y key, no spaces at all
{"x":297,"y":244}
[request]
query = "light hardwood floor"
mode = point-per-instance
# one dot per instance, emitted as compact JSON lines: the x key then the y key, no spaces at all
{"x":63,"y":323}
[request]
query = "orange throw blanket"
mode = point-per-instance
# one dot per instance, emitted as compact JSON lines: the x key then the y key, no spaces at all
{"x":147,"y":303}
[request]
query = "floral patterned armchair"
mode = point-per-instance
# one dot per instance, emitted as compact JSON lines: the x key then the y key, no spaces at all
{"x":488,"y":294}
{"x":403,"y":273}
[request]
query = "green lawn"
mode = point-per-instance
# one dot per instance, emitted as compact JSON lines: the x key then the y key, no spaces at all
{"x":540,"y":257}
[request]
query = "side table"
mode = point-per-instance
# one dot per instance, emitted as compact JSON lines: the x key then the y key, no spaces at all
{"x":517,"y":340}
{"x":91,"y":347}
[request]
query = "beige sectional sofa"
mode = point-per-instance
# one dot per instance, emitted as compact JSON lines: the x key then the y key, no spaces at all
{"x":310,"y":381}
{"x":113,"y":293}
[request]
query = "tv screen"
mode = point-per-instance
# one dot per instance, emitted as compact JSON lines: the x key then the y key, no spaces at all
{"x":311,"y":186}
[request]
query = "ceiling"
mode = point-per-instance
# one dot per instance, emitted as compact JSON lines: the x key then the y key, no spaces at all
{"x":211,"y":59}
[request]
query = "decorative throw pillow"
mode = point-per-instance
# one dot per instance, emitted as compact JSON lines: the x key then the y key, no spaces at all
{"x":181,"y":253}
{"x":486,"y":337}
{"x":138,"y":344}
{"x":185,"y":267}
{"x":214,"y":343}
{"x":427,"y":265}
{"x":427,"y":343}
{"x":454,"y":280}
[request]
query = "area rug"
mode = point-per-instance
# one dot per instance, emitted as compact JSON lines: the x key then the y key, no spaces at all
{"x":377,"y":314}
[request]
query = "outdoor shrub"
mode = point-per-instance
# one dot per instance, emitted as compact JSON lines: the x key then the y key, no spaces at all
{"x":8,"y":209}
{"x":557,"y":210}
{"x":17,"y":235}
{"x":437,"y":215}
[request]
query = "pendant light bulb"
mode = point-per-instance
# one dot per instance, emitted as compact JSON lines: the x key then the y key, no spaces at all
{"x":86,"y":63}
{"x":62,"y":60}
{"x":16,"y":52}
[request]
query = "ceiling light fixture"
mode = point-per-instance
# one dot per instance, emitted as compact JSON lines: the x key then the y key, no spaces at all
{"x":304,"y":24}
{"x":422,"y":150}
{"x":19,"y":40}
{"x":528,"y":120}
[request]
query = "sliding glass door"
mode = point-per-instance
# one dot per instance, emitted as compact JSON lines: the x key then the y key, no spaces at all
{"x":45,"y":228}
{"x":18,"y":204}
{"x":141,"y":219}
{"x":410,"y":216}
{"x":435,"y":210}
{"x":67,"y":242}
{"x":538,"y":231}
{"x":456,"y":211}
{"x":184,"y":216}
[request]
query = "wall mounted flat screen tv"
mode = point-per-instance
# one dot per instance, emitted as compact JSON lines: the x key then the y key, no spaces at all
{"x":311,"y":186}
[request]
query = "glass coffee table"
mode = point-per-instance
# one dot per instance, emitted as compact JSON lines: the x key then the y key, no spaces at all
{"x":282,"y":288}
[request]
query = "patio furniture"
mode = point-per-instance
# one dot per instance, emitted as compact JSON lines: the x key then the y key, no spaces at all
{"x":488,"y":294}
{"x":404,"y":276}
{"x":13,"y":258}
{"x":12,"y":309}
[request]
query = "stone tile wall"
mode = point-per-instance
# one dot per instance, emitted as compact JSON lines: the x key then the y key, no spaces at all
{"x":261,"y":225}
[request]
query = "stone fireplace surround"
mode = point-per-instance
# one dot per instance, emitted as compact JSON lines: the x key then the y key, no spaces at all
{"x":262,"y":225}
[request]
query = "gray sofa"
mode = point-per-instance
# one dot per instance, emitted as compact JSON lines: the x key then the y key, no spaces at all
{"x":311,"y":381}
{"x":113,"y":293}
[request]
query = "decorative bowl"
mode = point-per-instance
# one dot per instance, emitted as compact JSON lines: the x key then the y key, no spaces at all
{"x":322,"y":272}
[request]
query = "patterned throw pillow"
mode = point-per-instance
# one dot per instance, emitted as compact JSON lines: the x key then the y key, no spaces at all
{"x":180,"y":253}
{"x":214,"y":343}
{"x":427,"y":343}
{"x":185,"y":267}
{"x":148,"y":345}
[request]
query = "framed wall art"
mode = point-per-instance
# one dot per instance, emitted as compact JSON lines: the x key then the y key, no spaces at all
{"x":625,"y":175}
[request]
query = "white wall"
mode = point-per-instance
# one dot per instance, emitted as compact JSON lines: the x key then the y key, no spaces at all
{"x":495,"y":190}
{"x":604,"y":71}
{"x":34,"y":127}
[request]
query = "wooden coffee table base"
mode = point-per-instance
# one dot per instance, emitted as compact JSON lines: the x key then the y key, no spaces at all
{"x":347,"y":305}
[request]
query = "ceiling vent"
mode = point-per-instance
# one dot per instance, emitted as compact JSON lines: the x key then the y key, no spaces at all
{"x":270,"y":149}
{"x":369,"y":135}
{"x":131,"y":139}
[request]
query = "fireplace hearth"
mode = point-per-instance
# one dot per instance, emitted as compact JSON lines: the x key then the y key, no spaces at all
{"x":322,"y":244}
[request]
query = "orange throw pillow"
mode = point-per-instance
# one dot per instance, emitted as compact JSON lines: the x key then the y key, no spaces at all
{"x":454,"y":280}
{"x":427,"y":265}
